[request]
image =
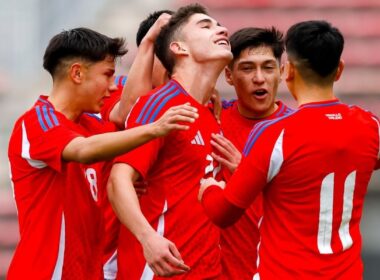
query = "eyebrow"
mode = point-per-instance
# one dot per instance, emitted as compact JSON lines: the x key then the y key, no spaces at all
{"x":207,"y":20}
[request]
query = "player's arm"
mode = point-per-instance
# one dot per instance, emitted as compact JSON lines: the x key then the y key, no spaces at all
{"x":160,"y":253}
{"x":228,"y":155}
{"x":139,"y":80}
{"x":108,"y":145}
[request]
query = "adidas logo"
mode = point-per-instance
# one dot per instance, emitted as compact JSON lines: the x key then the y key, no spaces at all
{"x":198,"y":140}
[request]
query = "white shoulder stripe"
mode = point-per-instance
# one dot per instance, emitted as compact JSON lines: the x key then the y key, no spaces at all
{"x":276,"y":158}
{"x":25,"y":151}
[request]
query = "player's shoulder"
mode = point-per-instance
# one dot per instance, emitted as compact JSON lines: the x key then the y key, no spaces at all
{"x":152,"y":105}
{"x":268,"y":127}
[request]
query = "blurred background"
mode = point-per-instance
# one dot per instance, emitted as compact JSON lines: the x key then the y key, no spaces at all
{"x":27,"y":26}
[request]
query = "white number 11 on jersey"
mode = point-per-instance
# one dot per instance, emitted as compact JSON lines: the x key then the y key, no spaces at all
{"x":326,"y":213}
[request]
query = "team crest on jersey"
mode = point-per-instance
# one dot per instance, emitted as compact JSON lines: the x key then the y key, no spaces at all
{"x":337,"y":116}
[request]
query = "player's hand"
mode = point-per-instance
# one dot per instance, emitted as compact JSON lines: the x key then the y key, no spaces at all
{"x":230,"y":156}
{"x":153,"y":32}
{"x":140,"y":188}
{"x":205,"y":183}
{"x":172,"y":117}
{"x":217,"y":104}
{"x":162,"y":256}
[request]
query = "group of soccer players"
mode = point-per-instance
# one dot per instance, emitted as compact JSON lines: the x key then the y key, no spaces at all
{"x":296,"y":197}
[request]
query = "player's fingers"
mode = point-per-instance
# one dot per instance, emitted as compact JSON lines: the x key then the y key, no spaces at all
{"x":175,"y":259}
{"x":169,"y":270}
{"x":179,"y":127}
{"x":223,"y":141}
{"x":222,"y":160}
{"x":221,"y":149}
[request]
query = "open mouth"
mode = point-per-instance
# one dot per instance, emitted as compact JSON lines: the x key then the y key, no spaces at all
{"x":222,"y":42}
{"x":260,"y":92}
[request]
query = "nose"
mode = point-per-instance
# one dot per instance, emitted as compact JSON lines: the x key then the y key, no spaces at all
{"x":222,"y":30}
{"x":258,"y":77}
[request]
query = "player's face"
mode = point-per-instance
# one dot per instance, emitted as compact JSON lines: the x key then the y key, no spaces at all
{"x":255,"y":75}
{"x":97,"y":84}
{"x":205,"y":39}
{"x":159,"y":74}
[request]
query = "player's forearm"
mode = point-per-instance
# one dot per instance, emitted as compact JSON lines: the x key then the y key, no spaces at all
{"x":124,"y":201}
{"x":107,"y":145}
{"x":139,"y":80}
{"x":218,"y":208}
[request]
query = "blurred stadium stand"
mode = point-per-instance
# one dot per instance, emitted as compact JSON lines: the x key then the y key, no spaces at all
{"x":26,"y":27}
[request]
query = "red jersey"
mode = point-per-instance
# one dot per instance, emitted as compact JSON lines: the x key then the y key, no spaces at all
{"x":58,"y":202}
{"x":313,"y":167}
{"x":111,"y":222}
{"x":173,"y":167}
{"x":239,"y":242}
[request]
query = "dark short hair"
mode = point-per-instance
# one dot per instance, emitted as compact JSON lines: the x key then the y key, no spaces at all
{"x":253,"y":37}
{"x":315,"y":47}
{"x":169,"y":31}
{"x":147,"y":23}
{"x":80,"y":43}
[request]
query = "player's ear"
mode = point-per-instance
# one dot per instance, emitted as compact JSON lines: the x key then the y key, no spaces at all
{"x":339,"y":70}
{"x":289,"y":70}
{"x":228,"y":75}
{"x":76,"y":72}
{"x":178,"y":48}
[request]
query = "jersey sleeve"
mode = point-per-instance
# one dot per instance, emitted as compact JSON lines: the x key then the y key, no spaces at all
{"x":262,"y":161}
{"x":378,"y":155}
{"x":143,"y":157}
{"x":110,"y":102}
{"x":44,"y":136}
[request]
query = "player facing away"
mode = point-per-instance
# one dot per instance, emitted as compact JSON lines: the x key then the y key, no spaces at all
{"x":53,"y":152}
{"x":313,"y":167}
{"x":255,"y":73}
{"x":194,"y":49}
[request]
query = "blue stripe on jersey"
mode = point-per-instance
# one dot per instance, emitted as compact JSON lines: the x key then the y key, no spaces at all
{"x":158,"y":95}
{"x":163,"y":103}
{"x":227,"y":103}
{"x":40,"y":120}
{"x":279,"y":113}
{"x":53,"y":116}
{"x":95,"y":116}
{"x":116,"y":81}
{"x":124,"y":81}
{"x":259,"y":129}
{"x":46,"y":117}
{"x":320,"y":105}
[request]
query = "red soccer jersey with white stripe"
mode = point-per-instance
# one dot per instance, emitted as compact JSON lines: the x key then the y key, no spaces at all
{"x":173,"y":167}
{"x":58,"y":202}
{"x":313,"y":166}
{"x":239,"y":242}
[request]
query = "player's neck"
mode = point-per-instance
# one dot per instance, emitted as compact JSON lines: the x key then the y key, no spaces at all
{"x":199,"y":81}
{"x":60,"y":99}
{"x":310,"y":94}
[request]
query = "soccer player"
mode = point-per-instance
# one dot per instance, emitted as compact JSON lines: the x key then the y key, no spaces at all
{"x":255,"y":73}
{"x":313,"y":167}
{"x":146,"y":72}
{"x":194,"y":49}
{"x":51,"y":151}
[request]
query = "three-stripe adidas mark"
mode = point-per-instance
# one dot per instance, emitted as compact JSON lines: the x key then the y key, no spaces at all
{"x":198,"y":140}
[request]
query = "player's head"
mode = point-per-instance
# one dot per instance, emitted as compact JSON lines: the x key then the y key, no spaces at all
{"x":314,"y":51}
{"x":159,"y":74}
{"x":84,"y":60}
{"x":147,"y":23}
{"x":255,"y":71}
{"x":80,"y":44}
{"x":192,"y":34}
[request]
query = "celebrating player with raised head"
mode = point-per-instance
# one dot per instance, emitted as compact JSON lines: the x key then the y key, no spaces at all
{"x":194,"y":48}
